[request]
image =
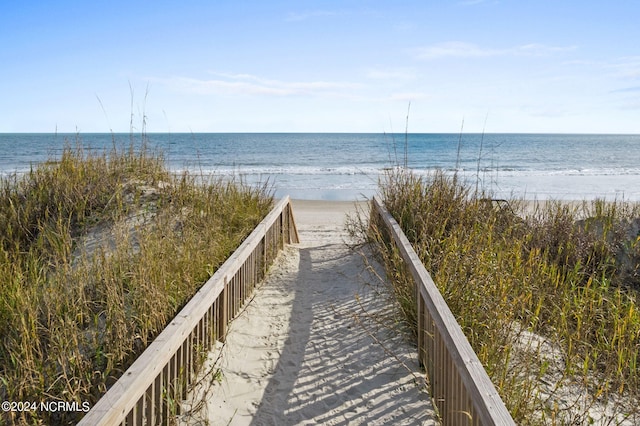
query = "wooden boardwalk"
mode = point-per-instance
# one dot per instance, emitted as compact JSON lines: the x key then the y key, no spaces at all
{"x":315,"y":341}
{"x":318,"y":343}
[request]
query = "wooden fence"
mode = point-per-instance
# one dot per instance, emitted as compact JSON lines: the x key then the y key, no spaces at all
{"x":460,"y":387}
{"x":150,"y":391}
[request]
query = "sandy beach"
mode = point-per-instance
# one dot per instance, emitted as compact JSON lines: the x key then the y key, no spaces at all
{"x":316,"y":344}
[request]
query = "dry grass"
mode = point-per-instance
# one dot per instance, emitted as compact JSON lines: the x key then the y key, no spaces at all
{"x":547,"y":298}
{"x":98,"y":251}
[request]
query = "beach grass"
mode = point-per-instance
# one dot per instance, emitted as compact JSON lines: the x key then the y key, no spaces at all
{"x":547,"y":293}
{"x":98,"y":251}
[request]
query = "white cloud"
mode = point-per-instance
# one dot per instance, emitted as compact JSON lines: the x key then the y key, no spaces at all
{"x":303,"y":16}
{"x":248,"y":84}
{"x":536,"y":49}
{"x":470,"y":50}
{"x":454,"y":49}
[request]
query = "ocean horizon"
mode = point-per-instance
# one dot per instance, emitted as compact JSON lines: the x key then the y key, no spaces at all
{"x":348,"y":166}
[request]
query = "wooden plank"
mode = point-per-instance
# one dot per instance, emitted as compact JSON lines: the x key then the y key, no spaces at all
{"x":156,"y":400}
{"x":490,"y":407}
{"x":118,"y":403}
{"x":420,"y":321}
{"x":294,"y":237}
{"x":224,"y":311}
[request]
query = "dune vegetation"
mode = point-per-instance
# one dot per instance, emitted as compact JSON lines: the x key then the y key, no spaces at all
{"x":98,"y":251}
{"x":547,"y":293}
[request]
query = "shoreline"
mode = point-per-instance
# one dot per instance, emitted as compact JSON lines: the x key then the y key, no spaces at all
{"x":331,"y":167}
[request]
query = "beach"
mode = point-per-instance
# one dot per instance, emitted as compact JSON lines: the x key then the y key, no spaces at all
{"x":310,"y":347}
{"x":316,"y":345}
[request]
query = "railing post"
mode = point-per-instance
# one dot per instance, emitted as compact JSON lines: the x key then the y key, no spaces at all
{"x":264,"y":254}
{"x":223,"y":312}
{"x":293,"y":229}
{"x":420,"y":308}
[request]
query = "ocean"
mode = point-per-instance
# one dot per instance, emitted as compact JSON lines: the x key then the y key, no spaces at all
{"x":348,"y":166}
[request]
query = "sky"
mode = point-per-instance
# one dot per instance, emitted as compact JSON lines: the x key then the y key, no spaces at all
{"x":320,"y":66}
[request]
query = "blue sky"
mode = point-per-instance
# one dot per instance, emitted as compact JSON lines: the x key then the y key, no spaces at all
{"x":312,"y":66}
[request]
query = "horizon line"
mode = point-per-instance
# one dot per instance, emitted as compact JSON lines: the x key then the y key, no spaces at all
{"x":312,"y":132}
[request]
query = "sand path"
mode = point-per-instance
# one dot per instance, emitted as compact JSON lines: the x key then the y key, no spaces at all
{"x":309,"y":348}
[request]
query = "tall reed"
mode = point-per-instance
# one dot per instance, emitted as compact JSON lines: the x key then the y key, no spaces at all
{"x":548,"y":298}
{"x":98,"y":251}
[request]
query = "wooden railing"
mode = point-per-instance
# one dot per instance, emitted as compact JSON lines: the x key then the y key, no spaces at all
{"x":150,"y":391}
{"x":460,"y":387}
